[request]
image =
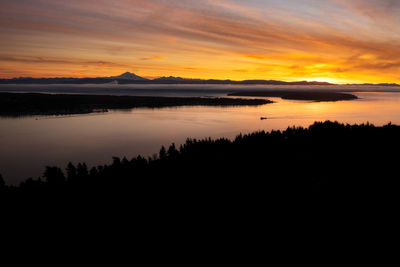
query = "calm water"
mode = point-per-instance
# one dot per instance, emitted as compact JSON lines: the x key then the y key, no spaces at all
{"x":28,"y":144}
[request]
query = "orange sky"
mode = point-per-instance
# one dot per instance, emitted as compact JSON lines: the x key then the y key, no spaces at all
{"x":332,"y":40}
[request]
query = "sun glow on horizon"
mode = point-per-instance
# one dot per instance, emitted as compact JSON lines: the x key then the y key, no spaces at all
{"x":328,"y":80}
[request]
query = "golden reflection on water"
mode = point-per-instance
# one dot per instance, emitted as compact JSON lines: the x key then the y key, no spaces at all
{"x":28,"y":144}
{"x":377,"y":108}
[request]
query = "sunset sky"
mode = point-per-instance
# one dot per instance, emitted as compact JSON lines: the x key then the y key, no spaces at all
{"x":324,"y":40}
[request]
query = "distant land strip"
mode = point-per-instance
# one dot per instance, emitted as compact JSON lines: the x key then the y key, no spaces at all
{"x":317,"y":96}
{"x":26,"y":104}
{"x":132,"y":78}
{"x":140,"y":80}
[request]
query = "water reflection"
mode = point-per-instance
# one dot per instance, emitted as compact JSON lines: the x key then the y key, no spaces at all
{"x":29,"y":143}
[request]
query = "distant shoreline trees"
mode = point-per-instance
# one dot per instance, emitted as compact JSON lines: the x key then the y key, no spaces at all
{"x":25,"y":104}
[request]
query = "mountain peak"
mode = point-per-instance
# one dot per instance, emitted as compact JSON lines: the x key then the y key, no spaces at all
{"x":129,"y":76}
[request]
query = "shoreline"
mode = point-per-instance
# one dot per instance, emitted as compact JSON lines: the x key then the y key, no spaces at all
{"x":30,"y":104}
{"x":317,"y":96}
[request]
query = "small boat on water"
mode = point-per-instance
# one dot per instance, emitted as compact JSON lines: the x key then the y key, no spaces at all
{"x":263,"y":118}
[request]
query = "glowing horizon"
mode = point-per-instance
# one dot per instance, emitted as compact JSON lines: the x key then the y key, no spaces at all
{"x":334,"y":41}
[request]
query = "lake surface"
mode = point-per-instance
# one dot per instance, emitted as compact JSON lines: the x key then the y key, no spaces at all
{"x":28,"y":144}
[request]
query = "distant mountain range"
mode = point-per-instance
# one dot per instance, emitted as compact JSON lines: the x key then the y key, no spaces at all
{"x":131,"y":78}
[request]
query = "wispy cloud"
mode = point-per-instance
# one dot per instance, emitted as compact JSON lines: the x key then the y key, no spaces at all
{"x":203,"y":38}
{"x":154,"y":58}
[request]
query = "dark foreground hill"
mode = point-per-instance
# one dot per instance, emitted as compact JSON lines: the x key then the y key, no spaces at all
{"x":326,"y":162}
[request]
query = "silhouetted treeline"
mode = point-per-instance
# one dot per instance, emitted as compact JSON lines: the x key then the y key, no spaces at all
{"x":310,"y":95}
{"x":17,"y":104}
{"x":328,"y":160}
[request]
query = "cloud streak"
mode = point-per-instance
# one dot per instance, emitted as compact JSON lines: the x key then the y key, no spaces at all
{"x":203,"y":38}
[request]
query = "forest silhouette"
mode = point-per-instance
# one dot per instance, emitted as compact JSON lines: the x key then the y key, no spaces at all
{"x":328,"y":160}
{"x":27,"y":104}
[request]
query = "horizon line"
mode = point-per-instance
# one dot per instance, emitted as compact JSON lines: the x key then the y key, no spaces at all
{"x":152,"y":78}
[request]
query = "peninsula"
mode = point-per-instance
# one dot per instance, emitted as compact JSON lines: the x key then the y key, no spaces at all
{"x":20,"y":104}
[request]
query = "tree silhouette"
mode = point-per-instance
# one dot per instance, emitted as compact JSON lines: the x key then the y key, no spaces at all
{"x":2,"y":183}
{"x":71,"y":172}
{"x":82,"y":170}
{"x":172,"y":151}
{"x":163,"y":153}
{"x":54,"y":176}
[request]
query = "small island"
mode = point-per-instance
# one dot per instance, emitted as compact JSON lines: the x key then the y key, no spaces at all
{"x":25,"y":104}
{"x":317,"y":96}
